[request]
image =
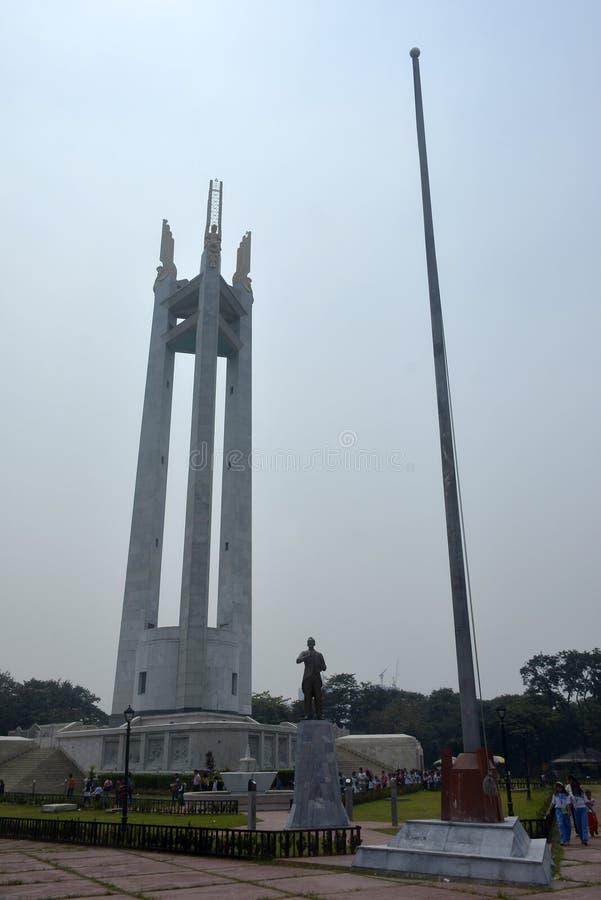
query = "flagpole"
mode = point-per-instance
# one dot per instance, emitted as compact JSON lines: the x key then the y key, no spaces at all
{"x":463,"y":643}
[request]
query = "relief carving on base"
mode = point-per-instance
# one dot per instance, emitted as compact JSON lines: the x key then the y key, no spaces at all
{"x":283,"y":751}
{"x":154,"y":752}
{"x":110,"y":754}
{"x":180,"y":752}
{"x":134,"y":752}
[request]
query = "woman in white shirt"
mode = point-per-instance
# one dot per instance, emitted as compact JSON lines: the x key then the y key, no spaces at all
{"x":560,"y":802}
{"x":578,"y":801}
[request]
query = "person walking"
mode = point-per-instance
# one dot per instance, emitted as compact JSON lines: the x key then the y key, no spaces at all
{"x":560,"y":804}
{"x":87,"y":792}
{"x":181,"y":788}
{"x":578,"y":801}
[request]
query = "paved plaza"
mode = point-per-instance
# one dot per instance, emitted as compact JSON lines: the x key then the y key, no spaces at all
{"x":30,"y":869}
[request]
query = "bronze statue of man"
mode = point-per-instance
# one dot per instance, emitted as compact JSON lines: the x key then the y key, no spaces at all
{"x":315,"y":664}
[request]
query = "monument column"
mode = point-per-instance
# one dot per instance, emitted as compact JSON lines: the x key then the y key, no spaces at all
{"x":142,"y":581}
{"x":191,"y":677}
{"x":234,"y":610}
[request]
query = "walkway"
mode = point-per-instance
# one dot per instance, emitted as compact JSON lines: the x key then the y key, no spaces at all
{"x":30,"y":869}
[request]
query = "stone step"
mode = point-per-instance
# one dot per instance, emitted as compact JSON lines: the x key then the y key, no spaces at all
{"x":49,"y":767}
{"x":349,"y":761}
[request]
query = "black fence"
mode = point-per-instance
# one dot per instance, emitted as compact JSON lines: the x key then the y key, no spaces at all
{"x":537,"y":828}
{"x":169,"y":807}
{"x":136,"y":804}
{"x":228,"y":842}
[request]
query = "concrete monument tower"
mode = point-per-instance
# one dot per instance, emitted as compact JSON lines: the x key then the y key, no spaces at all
{"x":192,"y":667}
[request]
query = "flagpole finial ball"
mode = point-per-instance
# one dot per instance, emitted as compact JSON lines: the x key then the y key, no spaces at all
{"x":414,"y":52}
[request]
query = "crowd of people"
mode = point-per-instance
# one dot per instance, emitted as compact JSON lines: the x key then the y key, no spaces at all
{"x":101,"y":793}
{"x":364,"y":780}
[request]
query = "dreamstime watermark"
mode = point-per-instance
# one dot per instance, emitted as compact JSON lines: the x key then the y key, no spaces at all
{"x":347,"y":456}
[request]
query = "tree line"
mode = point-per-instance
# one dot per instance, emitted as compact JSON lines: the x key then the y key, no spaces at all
{"x":559,"y":711}
{"x":29,"y":702}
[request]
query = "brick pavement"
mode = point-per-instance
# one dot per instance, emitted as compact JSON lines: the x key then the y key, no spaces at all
{"x":30,"y":869}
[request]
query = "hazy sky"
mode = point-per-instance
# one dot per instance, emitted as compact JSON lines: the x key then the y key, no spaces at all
{"x":115,"y":115}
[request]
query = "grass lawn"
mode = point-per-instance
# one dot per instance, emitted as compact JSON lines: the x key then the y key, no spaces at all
{"x":426,"y":805}
{"x":20,"y":810}
{"x":421,"y":805}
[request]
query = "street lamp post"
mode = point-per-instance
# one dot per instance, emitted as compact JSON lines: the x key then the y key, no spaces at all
{"x":501,"y":714}
{"x":129,"y":715}
{"x":525,"y":740}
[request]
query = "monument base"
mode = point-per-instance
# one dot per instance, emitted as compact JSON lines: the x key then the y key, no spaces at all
{"x":317,"y":798}
{"x":482,"y":851}
{"x":179,"y":742}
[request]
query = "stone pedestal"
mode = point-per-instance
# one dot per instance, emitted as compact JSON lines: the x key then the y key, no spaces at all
{"x":237,"y":782}
{"x":483,"y":851}
{"x":317,"y":799}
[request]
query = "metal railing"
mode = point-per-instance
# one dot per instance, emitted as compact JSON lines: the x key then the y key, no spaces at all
{"x":228,"y":842}
{"x":537,"y":828}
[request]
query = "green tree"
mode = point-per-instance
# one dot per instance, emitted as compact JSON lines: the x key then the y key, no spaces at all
{"x":270,"y":710}
{"x":8,"y":702}
{"x":569,"y":682}
{"x":368,"y":708}
{"x":443,"y":715}
{"x":340,"y":696}
{"x":530,"y":726}
{"x":55,"y":701}
{"x":405,"y":713}
{"x":570,"y":676}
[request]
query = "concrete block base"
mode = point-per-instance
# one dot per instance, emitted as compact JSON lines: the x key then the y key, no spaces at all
{"x":482,"y":851}
{"x":317,"y":799}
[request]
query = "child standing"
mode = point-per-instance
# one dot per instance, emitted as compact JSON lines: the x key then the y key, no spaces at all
{"x":593,"y":822}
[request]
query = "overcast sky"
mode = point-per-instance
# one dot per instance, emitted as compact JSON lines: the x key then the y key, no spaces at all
{"x":115,"y":115}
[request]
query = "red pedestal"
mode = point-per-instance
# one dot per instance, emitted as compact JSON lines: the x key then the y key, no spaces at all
{"x":470,"y":791}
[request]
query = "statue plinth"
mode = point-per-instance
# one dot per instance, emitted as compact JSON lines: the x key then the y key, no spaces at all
{"x":317,"y":798}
